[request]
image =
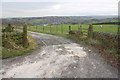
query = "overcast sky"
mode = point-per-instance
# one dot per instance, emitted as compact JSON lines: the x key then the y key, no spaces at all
{"x":38,"y":8}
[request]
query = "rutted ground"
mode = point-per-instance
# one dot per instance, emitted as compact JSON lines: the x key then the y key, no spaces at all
{"x":61,"y":58}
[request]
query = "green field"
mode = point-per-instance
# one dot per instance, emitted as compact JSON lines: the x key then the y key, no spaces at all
{"x":63,"y":29}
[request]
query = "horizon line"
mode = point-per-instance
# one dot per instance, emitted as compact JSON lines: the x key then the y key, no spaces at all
{"x":57,"y":16}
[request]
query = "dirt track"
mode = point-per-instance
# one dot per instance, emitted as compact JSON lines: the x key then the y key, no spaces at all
{"x":58,"y":57}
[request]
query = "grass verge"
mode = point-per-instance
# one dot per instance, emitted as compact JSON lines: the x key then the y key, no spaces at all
{"x":19,"y":50}
{"x":110,"y":55}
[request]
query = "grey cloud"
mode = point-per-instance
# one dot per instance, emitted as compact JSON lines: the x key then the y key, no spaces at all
{"x":28,"y":5}
{"x":60,"y":8}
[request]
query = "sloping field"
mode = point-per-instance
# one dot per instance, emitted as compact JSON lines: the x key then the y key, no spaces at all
{"x":65,"y":28}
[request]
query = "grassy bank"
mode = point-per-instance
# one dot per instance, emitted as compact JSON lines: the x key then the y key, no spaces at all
{"x":110,"y":55}
{"x":13,"y":46}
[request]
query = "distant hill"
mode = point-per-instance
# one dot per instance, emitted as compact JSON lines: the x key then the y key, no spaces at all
{"x":49,"y":20}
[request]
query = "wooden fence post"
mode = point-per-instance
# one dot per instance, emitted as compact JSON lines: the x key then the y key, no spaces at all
{"x":50,"y":28}
{"x":62,"y":28}
{"x":25,"y":40}
{"x":57,"y":28}
{"x":36,"y":28}
{"x":80,"y":30}
{"x":69,"y":28}
{"x":90,"y":31}
{"x":43,"y":28}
